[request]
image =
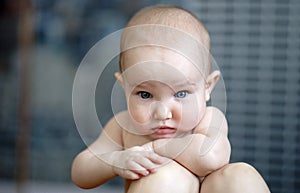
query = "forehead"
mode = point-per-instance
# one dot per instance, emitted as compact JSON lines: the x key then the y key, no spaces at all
{"x":159,"y":64}
{"x":158,"y":41}
{"x":154,"y":53}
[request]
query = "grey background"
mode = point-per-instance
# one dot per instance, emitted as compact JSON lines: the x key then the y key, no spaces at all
{"x":256,"y":43}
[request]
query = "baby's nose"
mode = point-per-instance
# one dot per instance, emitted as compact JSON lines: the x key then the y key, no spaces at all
{"x":161,"y":111}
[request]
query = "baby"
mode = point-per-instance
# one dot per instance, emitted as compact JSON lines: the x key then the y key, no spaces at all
{"x":168,"y":140}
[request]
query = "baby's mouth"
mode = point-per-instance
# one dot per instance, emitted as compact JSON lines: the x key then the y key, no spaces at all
{"x":164,"y":130}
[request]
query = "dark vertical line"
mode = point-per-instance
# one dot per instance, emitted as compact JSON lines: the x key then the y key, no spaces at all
{"x":25,"y":46}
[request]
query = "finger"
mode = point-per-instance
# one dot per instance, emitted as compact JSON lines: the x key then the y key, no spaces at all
{"x":146,"y":163}
{"x":130,"y":175}
{"x":138,"y":168}
{"x":156,"y":158}
{"x":127,"y":174}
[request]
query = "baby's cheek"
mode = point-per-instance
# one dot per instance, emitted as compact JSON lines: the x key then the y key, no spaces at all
{"x":139,"y":114}
{"x":192,"y":113}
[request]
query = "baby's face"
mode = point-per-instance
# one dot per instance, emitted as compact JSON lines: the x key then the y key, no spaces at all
{"x":165,"y":92}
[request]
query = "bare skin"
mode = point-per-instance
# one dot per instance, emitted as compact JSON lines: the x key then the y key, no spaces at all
{"x":168,"y":139}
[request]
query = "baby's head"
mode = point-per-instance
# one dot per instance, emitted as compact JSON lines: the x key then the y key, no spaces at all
{"x":160,"y":29}
{"x":165,"y":70}
{"x":168,"y":27}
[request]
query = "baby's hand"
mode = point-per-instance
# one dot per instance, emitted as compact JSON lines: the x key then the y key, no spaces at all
{"x":136,"y":162}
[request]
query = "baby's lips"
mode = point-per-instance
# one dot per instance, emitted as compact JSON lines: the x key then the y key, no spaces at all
{"x":164,"y":130}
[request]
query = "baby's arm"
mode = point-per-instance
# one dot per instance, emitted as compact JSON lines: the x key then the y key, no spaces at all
{"x":106,"y":158}
{"x":204,"y":151}
{"x":88,"y":169}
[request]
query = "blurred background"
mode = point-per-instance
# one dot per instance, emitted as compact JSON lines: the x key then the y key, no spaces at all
{"x":256,"y":43}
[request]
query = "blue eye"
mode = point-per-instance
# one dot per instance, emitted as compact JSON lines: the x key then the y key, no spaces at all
{"x":144,"y":95}
{"x":181,"y":94}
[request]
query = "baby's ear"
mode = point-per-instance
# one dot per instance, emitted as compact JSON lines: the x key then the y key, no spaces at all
{"x":119,"y":78}
{"x":210,"y":83}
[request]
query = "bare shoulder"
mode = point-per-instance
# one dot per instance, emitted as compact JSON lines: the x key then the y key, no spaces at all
{"x":212,"y":111}
{"x":213,"y":118}
{"x":111,"y":136}
{"x":115,"y":124}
